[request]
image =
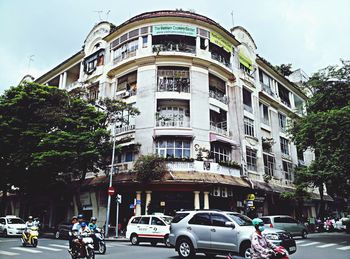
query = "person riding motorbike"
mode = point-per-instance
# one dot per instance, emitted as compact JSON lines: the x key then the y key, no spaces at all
{"x":261,"y":247}
{"x":92,"y":224}
{"x":29,"y":225}
{"x":74,"y":220}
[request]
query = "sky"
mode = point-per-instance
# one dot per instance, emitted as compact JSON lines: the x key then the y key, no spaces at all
{"x":37,"y":35}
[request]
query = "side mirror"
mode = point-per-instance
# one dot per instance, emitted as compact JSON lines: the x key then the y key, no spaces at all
{"x":229,"y":224}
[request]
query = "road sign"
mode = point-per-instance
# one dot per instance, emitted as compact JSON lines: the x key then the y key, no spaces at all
{"x":138,"y":202}
{"x":119,"y":198}
{"x":111,"y":191}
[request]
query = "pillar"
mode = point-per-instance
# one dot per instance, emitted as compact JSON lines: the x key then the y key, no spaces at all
{"x":206,"y":200}
{"x":148,"y":200}
{"x":138,"y":203}
{"x":60,"y":81}
{"x":196,"y":200}
{"x":64,"y":80}
{"x":198,"y":43}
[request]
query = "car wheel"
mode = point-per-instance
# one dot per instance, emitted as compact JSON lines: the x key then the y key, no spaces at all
{"x":134,"y":239}
{"x":245,"y":251}
{"x":167,"y":241}
{"x":57,"y":234}
{"x":185,"y":248}
{"x":304,"y":234}
{"x":153,"y":243}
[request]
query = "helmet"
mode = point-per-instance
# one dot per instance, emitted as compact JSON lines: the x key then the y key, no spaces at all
{"x":80,"y":216}
{"x":30,"y":218}
{"x":93,"y":219}
{"x":257,"y":222}
{"x":83,"y":224}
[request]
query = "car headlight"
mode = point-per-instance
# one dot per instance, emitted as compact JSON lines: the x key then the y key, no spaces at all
{"x":272,"y":236}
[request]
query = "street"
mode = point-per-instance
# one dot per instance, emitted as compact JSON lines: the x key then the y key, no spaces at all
{"x":320,"y":246}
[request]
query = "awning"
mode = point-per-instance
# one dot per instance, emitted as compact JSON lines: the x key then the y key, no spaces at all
{"x":173,"y":132}
{"x":316,"y":196}
{"x":245,"y":61}
{"x":219,"y":138}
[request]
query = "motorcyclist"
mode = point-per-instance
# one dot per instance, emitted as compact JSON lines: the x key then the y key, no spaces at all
{"x":29,"y":225}
{"x":92,"y":224}
{"x":74,"y":220}
{"x":261,"y":247}
{"x":77,"y":224}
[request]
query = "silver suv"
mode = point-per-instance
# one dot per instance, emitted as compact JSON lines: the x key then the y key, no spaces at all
{"x":219,"y":232}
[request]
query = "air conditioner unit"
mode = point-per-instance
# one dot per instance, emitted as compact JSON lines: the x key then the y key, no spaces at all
{"x":224,"y":192}
{"x":216,"y":191}
{"x":230,"y":193}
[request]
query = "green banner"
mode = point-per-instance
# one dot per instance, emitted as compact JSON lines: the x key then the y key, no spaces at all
{"x":245,"y":61}
{"x":178,"y":29}
{"x":217,"y":39}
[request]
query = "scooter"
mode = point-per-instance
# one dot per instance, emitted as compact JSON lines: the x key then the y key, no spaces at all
{"x":30,"y":237}
{"x":82,"y":246}
{"x":99,"y":241}
{"x":278,"y":253}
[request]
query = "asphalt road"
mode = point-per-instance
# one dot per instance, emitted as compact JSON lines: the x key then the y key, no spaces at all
{"x":317,"y":246}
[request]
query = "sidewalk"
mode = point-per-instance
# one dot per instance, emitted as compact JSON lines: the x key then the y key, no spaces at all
{"x":118,"y":239}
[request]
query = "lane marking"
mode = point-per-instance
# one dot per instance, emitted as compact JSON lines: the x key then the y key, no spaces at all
{"x":344,"y":248}
{"x":299,"y":241}
{"x":49,"y":248}
{"x":29,"y":250}
{"x":116,"y":245}
{"x":60,"y":246}
{"x":7,"y":253}
{"x":327,"y":245}
{"x":310,"y":244}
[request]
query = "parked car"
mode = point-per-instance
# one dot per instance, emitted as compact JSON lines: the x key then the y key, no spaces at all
{"x":11,"y":226}
{"x":286,"y":223}
{"x":149,"y":228}
{"x":62,"y":231}
{"x":219,"y":232}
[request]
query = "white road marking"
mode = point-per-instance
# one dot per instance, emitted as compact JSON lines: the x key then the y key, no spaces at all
{"x":29,"y":250}
{"x":49,"y":248}
{"x":344,"y":248}
{"x":116,"y":245}
{"x":299,"y":241}
{"x":327,"y":245}
{"x":310,"y":244}
{"x":7,"y":253}
{"x":60,"y":246}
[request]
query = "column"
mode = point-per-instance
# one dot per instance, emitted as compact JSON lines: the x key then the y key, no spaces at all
{"x":64,"y":80}
{"x":198,"y":43}
{"x":196,"y":200}
{"x":138,"y":205}
{"x":206,"y":43}
{"x":60,"y":81}
{"x":206,"y":200}
{"x":148,"y":200}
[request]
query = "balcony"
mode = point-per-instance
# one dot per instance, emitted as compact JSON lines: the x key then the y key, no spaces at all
{"x":218,"y":96}
{"x":221,"y":59}
{"x":177,"y":86}
{"x":126,"y":94}
{"x":73,"y":85}
{"x":267,"y":89}
{"x":124,"y":129}
{"x":123,"y":56}
{"x":173,"y":123}
{"x":219,"y":128}
{"x":248,"y":108}
{"x":175,"y":47}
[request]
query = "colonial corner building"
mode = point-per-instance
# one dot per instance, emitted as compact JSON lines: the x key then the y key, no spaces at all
{"x":215,"y":109}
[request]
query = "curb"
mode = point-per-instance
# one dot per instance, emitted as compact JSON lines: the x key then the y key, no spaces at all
{"x":119,"y":239}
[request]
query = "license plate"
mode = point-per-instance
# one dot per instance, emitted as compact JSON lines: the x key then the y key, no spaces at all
{"x":292,"y":248}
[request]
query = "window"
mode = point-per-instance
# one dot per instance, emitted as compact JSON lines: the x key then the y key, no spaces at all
{"x":298,"y":104}
{"x":173,"y":148}
{"x":248,"y":127}
{"x":220,"y":152}
{"x":300,"y":154}
{"x":269,"y":164}
{"x":129,"y":156}
{"x":144,"y":41}
{"x":284,"y":146}
{"x":218,"y":220}
{"x":172,"y":116}
{"x":200,"y":219}
{"x":247,"y":100}
{"x":284,"y":95}
{"x":202,"y":43}
{"x":91,"y":62}
{"x":144,"y":220}
{"x":135,"y":220}
{"x":127,"y":82}
{"x":251,"y":159}
{"x":173,"y":79}
{"x":282,"y":122}
{"x":266,"y":220}
{"x":157,"y":222}
{"x":179,"y":216}
{"x":93,"y":91}
{"x":264,"y":111}
{"x":288,"y":170}
{"x":217,"y":88}
{"x":2,"y":221}
{"x":266,"y":82}
{"x":125,"y":50}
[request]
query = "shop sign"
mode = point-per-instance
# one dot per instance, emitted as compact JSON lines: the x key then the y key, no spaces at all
{"x":217,"y":39}
{"x":177,"y":29}
{"x":250,"y":203}
{"x":162,"y":203}
{"x":138,"y":202}
{"x":251,"y":197}
{"x":259,"y":199}
{"x":245,"y":61}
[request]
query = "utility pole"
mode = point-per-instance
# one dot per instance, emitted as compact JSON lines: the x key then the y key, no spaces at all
{"x":233,"y":22}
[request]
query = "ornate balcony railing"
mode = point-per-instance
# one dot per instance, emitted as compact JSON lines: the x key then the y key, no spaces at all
{"x":182,"y":85}
{"x":218,"y":96}
{"x":173,"y":123}
{"x":177,"y":47}
{"x":220,"y":128}
{"x":124,"y":129}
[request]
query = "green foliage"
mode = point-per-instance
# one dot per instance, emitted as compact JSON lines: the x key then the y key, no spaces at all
{"x":284,"y":69}
{"x":325,"y":130}
{"x":149,"y":168}
{"x":231,"y":164}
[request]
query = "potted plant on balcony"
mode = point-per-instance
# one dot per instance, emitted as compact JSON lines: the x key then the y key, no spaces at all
{"x":267,"y":178}
{"x":267,"y":144}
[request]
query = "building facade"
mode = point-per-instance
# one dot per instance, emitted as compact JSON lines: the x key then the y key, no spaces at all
{"x":210,"y":105}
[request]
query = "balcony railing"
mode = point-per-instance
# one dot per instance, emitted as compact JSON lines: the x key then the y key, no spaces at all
{"x":221,"y":59}
{"x":218,"y":96}
{"x":267,"y":89}
{"x":173,"y":123}
{"x":177,"y":47}
{"x":127,"y":94}
{"x":123,"y":56}
{"x":124,"y":129}
{"x":248,"y":108}
{"x":73,"y":85}
{"x":179,"y":86}
{"x":220,"y":128}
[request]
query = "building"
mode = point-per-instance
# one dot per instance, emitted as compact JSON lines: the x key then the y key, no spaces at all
{"x":215,"y":109}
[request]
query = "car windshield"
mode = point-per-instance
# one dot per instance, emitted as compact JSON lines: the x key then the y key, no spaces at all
{"x":167,"y":220}
{"x":15,"y":221}
{"x":240,"y":219}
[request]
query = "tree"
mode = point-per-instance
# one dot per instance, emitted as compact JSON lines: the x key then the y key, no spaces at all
{"x":285,"y":69}
{"x":325,"y":129}
{"x":149,"y":168}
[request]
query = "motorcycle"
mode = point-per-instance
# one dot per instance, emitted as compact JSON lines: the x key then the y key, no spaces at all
{"x":278,"y":253}
{"x":99,"y":241}
{"x":30,"y":237}
{"x":82,"y":246}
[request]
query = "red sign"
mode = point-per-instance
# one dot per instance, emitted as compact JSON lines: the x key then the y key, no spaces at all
{"x":111,"y":191}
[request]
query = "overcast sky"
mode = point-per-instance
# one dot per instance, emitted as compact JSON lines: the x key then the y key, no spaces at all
{"x":310,"y":34}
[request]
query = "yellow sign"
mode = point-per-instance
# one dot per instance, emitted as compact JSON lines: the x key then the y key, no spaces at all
{"x":251,"y":197}
{"x":245,"y":61}
{"x":217,"y":39}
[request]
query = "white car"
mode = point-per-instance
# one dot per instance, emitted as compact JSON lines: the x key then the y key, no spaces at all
{"x":11,"y":226}
{"x":149,"y":228}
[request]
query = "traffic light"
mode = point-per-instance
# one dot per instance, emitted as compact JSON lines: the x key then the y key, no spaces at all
{"x":119,"y":198}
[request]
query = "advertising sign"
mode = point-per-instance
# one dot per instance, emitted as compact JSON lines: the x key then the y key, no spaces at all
{"x":175,"y":29}
{"x":217,"y":39}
